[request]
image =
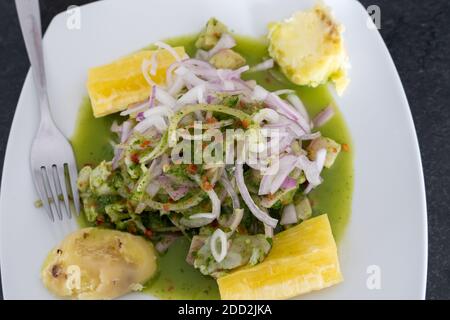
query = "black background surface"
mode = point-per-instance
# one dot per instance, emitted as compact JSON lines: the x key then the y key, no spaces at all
{"x":417,"y":34}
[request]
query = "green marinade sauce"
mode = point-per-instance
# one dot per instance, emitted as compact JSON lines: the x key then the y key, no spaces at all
{"x":176,"y":279}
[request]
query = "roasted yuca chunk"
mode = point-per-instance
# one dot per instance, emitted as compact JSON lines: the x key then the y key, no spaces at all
{"x":303,"y":258}
{"x":97,"y":263}
{"x":333,"y":148}
{"x":227,"y":59}
{"x":211,"y":34}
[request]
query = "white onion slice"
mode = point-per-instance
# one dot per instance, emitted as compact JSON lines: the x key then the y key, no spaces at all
{"x":265,"y":65}
{"x":257,"y":212}
{"x":222,"y":237}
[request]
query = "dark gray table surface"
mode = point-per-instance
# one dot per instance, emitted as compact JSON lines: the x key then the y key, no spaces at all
{"x":417,"y":34}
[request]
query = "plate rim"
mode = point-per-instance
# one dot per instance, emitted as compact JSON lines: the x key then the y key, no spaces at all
{"x":410,"y":121}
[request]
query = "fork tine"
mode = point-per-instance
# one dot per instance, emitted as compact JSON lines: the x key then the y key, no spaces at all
{"x":59,"y":172}
{"x":42,"y":191}
{"x":50,"y":182}
{"x":73,"y":174}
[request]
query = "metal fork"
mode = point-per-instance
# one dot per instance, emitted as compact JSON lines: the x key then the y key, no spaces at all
{"x":51,"y":154}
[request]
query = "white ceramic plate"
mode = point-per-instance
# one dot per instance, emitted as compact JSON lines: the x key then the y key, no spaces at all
{"x":387,"y":234}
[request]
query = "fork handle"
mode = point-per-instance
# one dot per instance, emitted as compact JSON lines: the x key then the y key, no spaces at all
{"x":30,"y":23}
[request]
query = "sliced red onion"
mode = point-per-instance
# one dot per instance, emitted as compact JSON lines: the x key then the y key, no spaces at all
{"x":189,"y":77}
{"x":153,"y":188}
{"x":174,"y":193}
{"x":297,"y":103}
{"x":282,"y":106}
{"x":161,"y":111}
{"x":164,"y":98}
{"x":144,"y":69}
{"x":225,"y":42}
{"x":202,"y":54}
{"x":259,"y":93}
{"x":137,"y":108}
{"x":157,"y":122}
{"x":215,"y":204}
{"x":264,"y":186}
{"x":265,"y":65}
{"x":323,"y":117}
{"x":286,"y":165}
{"x":126,"y":131}
{"x":163,"y":45}
{"x":266,"y":114}
{"x":154,"y":63}
{"x":321,"y":156}
{"x":176,"y":87}
{"x":124,"y":135}
{"x":310,"y":169}
{"x":235,"y":220}
{"x":220,"y":254}
{"x":289,"y":215}
{"x":140,"y":116}
{"x":257,"y":212}
{"x":310,"y":136}
{"x":194,"y":95}
{"x":289,"y":183}
{"x":152,"y":97}
{"x":283,"y":91}
{"x":230,"y":190}
{"x":170,"y":71}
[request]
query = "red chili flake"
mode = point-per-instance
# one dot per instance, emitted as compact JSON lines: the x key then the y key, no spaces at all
{"x":245,"y":123}
{"x":192,"y":168}
{"x":166,"y":207}
{"x":135,"y":158}
{"x":145,"y":143}
{"x":206,"y":185}
{"x":345,"y":147}
{"x":148,"y":233}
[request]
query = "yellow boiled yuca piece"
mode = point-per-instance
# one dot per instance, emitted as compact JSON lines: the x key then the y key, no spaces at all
{"x":115,"y":86}
{"x":303,"y":258}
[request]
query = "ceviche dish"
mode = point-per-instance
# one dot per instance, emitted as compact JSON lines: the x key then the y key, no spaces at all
{"x":212,"y":166}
